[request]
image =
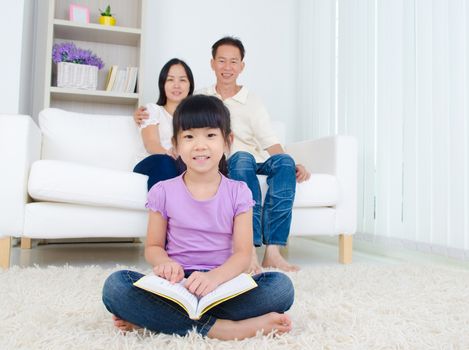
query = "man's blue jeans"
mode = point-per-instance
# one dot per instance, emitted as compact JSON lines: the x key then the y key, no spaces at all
{"x":272,"y":221}
{"x":274,"y":293}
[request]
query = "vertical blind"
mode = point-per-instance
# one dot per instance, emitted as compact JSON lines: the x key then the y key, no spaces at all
{"x":394,"y":74}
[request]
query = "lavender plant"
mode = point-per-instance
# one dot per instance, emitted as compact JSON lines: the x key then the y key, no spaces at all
{"x":68,"y":52}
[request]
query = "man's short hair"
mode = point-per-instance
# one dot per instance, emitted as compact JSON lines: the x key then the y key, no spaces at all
{"x":229,"y":40}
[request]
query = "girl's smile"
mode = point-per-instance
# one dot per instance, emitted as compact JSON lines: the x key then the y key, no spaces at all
{"x":201,"y":157}
{"x":201,"y":148}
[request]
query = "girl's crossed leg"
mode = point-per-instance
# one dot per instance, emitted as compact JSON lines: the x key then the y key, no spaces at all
{"x":260,"y":309}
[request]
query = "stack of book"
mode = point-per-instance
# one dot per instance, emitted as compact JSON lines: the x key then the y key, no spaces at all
{"x":121,"y":80}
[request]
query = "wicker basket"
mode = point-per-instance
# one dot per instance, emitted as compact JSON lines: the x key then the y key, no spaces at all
{"x":78,"y":76}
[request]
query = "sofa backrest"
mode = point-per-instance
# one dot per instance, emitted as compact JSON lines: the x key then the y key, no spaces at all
{"x":107,"y":141}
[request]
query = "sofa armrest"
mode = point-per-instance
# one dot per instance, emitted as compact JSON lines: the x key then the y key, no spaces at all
{"x":334,"y":155}
{"x":20,"y":146}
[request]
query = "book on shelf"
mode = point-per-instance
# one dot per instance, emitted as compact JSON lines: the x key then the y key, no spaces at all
{"x":119,"y":83}
{"x":194,"y":306}
{"x":111,"y":77}
{"x":131,"y":80}
{"x":122,"y":80}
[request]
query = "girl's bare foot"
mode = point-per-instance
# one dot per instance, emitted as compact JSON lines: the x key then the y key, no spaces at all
{"x":123,"y":325}
{"x":273,"y":258}
{"x":229,"y":330}
{"x":254,"y":267}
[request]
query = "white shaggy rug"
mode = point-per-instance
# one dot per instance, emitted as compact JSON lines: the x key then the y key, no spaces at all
{"x":336,"y":307}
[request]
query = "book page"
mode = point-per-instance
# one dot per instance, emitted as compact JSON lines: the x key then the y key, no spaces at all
{"x":175,"y":292}
{"x":225,"y":291}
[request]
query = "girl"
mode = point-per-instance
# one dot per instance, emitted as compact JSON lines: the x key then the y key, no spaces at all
{"x":175,"y":83}
{"x":200,"y":227}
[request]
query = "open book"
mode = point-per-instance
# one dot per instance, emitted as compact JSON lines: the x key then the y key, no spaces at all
{"x":195,"y":307}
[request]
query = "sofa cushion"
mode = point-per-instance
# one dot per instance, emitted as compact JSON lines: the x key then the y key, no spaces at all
{"x":107,"y":141}
{"x":66,"y":182}
{"x":63,"y":220}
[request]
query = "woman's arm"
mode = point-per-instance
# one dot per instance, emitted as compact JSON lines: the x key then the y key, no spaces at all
{"x":155,"y":252}
{"x":151,"y":140}
{"x":201,"y":283}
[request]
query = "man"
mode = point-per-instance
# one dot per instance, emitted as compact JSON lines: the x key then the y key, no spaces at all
{"x":255,"y":150}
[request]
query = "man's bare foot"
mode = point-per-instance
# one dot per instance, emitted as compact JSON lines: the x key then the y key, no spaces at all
{"x":229,"y":330}
{"x":273,"y":258}
{"x":254,"y":267}
{"x":123,"y":325}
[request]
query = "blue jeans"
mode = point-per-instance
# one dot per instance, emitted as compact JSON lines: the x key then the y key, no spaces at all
{"x":274,"y":293}
{"x":158,"y":167}
{"x":271,"y":223}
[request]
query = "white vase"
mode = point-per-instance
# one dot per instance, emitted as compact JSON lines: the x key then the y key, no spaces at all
{"x":78,"y":76}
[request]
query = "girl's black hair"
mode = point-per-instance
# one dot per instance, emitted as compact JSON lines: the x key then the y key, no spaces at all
{"x":164,"y":75}
{"x":201,"y":111}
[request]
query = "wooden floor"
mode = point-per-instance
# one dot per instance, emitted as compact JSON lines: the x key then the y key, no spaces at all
{"x":301,"y":251}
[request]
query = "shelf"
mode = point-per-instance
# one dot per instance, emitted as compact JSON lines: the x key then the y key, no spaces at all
{"x":68,"y":30}
{"x":120,"y":45}
{"x":93,"y":96}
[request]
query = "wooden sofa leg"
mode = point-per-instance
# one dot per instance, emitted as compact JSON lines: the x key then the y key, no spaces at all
{"x":5,"y":250}
{"x":345,"y":248}
{"x":26,"y":243}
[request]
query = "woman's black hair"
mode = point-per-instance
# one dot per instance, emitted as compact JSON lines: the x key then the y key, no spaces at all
{"x":164,"y":75}
{"x":201,"y":111}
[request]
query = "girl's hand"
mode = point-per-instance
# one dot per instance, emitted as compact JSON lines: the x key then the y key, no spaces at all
{"x":171,"y":271}
{"x":201,"y":283}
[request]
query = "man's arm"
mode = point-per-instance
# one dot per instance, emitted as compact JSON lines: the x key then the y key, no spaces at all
{"x":263,"y":130}
{"x":301,"y":173}
{"x":275,"y":149}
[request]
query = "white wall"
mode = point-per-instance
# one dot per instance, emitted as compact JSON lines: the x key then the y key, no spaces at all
{"x":27,"y":58}
{"x":268,"y":28}
{"x":16,"y":27}
{"x":11,"y":29}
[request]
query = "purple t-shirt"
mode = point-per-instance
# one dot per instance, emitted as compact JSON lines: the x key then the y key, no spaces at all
{"x":199,"y":233}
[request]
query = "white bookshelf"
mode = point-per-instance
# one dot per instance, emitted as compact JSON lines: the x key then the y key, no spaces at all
{"x":93,"y":96}
{"x":115,"y":45}
{"x":97,"y":33}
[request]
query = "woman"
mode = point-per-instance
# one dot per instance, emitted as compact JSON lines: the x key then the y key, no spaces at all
{"x":175,"y":83}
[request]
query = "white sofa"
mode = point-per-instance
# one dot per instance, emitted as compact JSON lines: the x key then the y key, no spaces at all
{"x":72,"y":178}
